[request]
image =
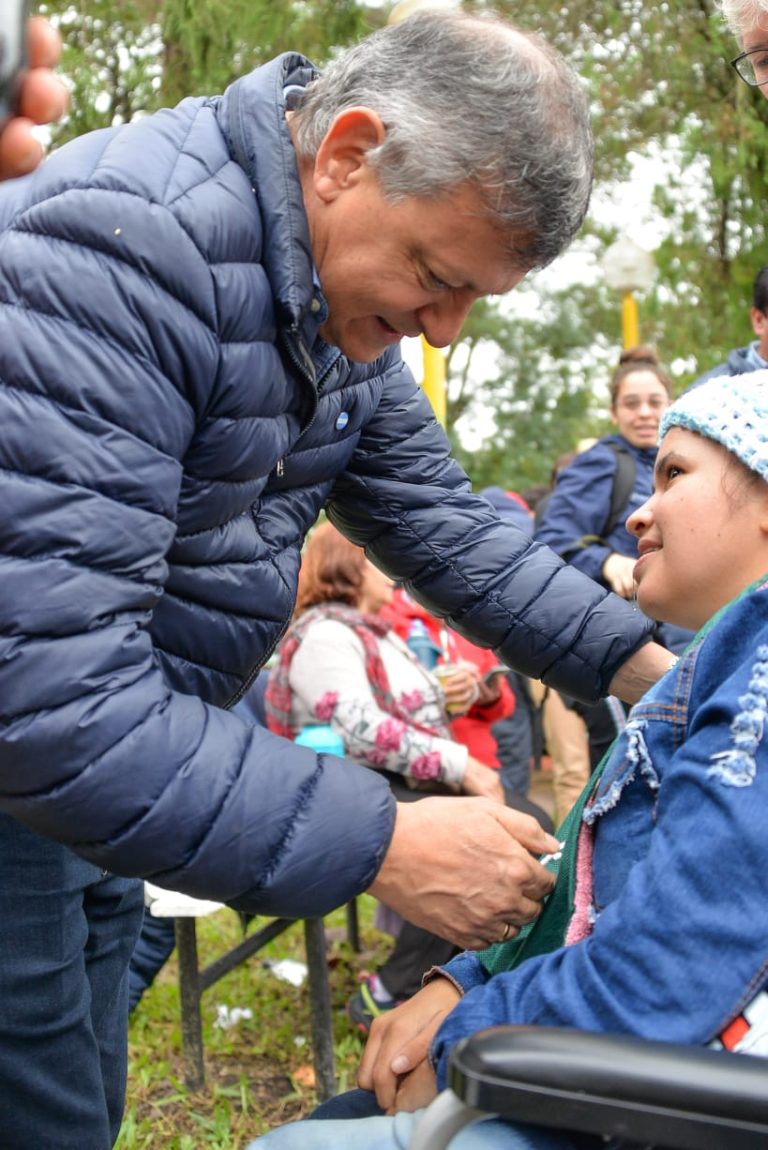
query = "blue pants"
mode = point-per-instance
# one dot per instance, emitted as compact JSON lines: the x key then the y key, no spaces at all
{"x":67,"y":935}
{"x":353,"y":1121}
{"x":154,"y":947}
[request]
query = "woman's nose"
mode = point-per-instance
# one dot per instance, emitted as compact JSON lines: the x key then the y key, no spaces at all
{"x":640,"y":519}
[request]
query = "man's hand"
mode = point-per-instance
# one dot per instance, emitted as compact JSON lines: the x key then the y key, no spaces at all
{"x":618,"y":574}
{"x":481,"y":780}
{"x":464,"y":869}
{"x":42,"y":98}
{"x":640,"y":672}
{"x":399,"y":1043}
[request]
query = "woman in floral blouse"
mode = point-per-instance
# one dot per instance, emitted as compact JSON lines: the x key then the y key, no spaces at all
{"x":341,"y":664}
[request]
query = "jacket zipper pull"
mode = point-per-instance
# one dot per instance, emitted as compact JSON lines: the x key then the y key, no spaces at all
{"x":280,"y":468}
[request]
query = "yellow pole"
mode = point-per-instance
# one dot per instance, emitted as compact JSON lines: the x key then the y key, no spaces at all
{"x":434,"y":378}
{"x":630,"y":325}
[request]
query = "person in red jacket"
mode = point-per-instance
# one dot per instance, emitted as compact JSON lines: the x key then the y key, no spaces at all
{"x":477,"y":691}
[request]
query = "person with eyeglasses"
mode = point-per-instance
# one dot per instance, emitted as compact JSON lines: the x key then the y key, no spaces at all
{"x":748,"y":20}
{"x":581,"y":523}
{"x":585,"y":518}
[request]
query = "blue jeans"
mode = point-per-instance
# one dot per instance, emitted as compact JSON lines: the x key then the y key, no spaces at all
{"x":68,"y":931}
{"x":345,"y":1126}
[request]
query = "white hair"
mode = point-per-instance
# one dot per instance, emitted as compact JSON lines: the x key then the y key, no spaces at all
{"x":741,"y":15}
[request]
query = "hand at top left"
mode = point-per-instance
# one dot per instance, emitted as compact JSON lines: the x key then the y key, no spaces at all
{"x":42,"y":99}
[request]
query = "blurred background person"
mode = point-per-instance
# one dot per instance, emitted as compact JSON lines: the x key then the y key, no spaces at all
{"x":754,"y":355}
{"x":341,"y":663}
{"x":585,"y":517}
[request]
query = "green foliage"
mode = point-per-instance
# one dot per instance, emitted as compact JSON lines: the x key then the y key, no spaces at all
{"x":258,"y":1073}
{"x":208,"y":44}
{"x":546,"y":390}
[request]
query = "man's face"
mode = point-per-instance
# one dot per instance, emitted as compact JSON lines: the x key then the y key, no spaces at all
{"x":410,"y":268}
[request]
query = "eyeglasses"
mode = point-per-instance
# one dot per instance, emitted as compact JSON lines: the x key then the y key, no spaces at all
{"x":634,"y":403}
{"x":752,"y":67}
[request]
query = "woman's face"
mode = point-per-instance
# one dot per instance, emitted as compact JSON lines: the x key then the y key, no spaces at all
{"x":639,"y":406}
{"x":703,"y":534}
{"x":376,"y":589}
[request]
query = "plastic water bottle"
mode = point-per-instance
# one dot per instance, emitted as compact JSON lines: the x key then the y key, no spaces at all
{"x":322,"y":738}
{"x":421,"y":645}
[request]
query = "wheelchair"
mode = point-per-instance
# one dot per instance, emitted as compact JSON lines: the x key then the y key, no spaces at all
{"x":648,"y":1094}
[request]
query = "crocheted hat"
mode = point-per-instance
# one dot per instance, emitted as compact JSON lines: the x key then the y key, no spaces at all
{"x":731,"y":409}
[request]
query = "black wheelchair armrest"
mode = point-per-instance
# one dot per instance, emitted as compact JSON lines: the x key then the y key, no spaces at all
{"x":649,"y":1092}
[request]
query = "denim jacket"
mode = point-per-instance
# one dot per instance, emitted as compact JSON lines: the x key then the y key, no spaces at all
{"x":678,"y":945}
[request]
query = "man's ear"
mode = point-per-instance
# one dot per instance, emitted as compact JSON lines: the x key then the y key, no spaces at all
{"x":341,"y":158}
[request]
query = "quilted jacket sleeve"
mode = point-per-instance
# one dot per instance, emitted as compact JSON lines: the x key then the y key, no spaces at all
{"x":108,"y":336}
{"x":405,"y":499}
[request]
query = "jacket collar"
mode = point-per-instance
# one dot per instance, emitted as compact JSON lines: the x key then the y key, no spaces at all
{"x":252,"y":116}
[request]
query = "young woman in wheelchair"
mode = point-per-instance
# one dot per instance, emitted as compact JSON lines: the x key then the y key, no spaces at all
{"x":656,"y":927}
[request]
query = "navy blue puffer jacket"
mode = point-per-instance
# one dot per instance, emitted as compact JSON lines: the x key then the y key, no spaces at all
{"x":171,"y":427}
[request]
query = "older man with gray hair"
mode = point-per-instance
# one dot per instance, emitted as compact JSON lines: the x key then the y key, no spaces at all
{"x":200,"y":315}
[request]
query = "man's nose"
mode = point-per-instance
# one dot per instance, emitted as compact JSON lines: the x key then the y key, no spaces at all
{"x":442,"y":321}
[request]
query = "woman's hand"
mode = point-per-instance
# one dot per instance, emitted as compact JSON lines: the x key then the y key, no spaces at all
{"x":460,"y":686}
{"x":42,"y":99}
{"x":399,"y":1042}
{"x":481,"y":780}
{"x":617,"y":572}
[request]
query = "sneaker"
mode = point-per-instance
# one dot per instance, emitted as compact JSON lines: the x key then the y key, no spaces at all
{"x":363,"y":1007}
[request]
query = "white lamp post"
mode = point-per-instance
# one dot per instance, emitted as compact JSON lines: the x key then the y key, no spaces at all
{"x":628,"y":268}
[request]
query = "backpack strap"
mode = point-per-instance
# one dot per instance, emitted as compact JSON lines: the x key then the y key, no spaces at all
{"x":623,"y":486}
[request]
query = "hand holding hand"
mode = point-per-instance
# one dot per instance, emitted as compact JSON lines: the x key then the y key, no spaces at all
{"x":617,"y":572}
{"x":42,"y":99}
{"x":464,"y":868}
{"x":399,"y":1043}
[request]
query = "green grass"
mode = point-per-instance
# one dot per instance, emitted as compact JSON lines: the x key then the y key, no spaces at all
{"x":258,"y":1073}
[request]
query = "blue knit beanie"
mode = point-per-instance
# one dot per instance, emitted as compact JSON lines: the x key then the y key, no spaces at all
{"x":732,"y":410}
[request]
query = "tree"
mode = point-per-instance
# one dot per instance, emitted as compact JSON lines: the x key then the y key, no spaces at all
{"x":127,"y":57}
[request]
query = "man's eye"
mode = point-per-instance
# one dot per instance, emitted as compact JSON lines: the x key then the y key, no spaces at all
{"x":434,"y":283}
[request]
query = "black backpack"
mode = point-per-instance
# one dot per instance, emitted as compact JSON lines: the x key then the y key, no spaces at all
{"x":623,"y":486}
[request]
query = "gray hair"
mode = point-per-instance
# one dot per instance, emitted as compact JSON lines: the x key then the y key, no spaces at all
{"x":743,"y":14}
{"x":468,"y":99}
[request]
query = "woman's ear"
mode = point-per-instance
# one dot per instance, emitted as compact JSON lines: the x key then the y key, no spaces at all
{"x":762,"y":509}
{"x":341,"y":158}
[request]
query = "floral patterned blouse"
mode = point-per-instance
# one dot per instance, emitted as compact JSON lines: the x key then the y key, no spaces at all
{"x":329,"y":684}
